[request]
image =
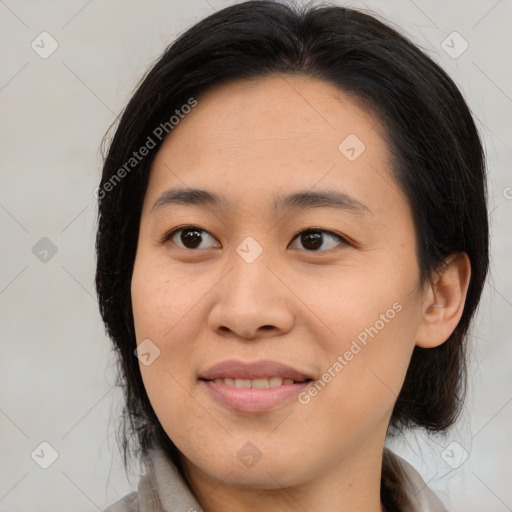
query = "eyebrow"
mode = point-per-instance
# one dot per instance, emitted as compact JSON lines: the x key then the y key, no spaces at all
{"x":300,"y":200}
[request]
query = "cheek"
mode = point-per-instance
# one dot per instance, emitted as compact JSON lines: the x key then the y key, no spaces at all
{"x":165,"y":312}
{"x":374,"y":304}
{"x":355,"y":395}
{"x":373,"y":316}
{"x":375,"y":359}
{"x":163,"y":299}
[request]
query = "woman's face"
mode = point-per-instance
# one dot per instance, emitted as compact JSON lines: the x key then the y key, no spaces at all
{"x":303,"y":277}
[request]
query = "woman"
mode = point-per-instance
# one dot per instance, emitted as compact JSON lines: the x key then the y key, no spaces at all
{"x":292,"y":242}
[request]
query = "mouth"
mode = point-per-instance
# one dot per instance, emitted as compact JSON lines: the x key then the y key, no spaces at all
{"x":254,"y":371}
{"x":261,"y":383}
{"x":253,"y":387}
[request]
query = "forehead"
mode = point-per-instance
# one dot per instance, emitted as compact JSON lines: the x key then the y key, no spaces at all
{"x":274,"y":134}
{"x":283,"y":109}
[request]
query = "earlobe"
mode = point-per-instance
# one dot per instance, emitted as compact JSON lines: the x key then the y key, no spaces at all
{"x":444,"y":301}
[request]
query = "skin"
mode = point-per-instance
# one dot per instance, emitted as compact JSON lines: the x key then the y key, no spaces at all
{"x":252,"y":141}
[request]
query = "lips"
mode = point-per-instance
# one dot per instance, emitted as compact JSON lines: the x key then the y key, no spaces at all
{"x":234,"y":369}
{"x":253,"y":387}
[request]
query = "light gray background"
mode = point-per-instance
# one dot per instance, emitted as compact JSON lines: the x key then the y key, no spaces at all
{"x":57,"y":370}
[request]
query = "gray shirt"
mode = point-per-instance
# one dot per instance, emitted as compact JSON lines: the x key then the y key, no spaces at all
{"x":163,"y":489}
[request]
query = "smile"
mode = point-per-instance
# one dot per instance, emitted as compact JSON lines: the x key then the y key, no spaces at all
{"x":242,"y":396}
{"x":271,"y":382}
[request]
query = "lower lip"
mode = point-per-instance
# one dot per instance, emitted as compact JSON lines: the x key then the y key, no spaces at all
{"x":254,"y":400}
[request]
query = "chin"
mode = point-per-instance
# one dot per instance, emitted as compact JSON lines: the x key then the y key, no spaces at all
{"x":235,"y":468}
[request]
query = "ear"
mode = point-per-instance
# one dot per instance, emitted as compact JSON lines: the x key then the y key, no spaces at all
{"x":443,"y":301}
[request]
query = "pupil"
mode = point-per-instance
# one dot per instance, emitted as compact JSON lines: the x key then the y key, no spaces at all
{"x":191,"y":237}
{"x":314,"y":239}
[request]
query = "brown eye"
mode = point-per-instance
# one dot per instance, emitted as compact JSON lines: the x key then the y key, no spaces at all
{"x":315,"y":239}
{"x":190,"y":237}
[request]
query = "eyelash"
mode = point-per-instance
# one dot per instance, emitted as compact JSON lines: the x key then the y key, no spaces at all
{"x":344,"y":241}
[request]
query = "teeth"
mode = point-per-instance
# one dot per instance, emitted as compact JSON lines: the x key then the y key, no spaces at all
{"x":243,"y":383}
{"x":276,"y":381}
{"x":271,"y":382}
{"x":260,"y":383}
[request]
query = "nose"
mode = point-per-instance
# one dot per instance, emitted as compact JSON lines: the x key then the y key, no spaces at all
{"x":253,"y":301}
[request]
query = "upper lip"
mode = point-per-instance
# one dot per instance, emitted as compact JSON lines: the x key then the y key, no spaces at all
{"x":236,"y":369}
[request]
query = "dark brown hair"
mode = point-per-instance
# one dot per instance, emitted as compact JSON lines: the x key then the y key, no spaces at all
{"x":438,"y":163}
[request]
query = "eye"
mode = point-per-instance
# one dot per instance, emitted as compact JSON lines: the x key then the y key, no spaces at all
{"x":314,"y":239}
{"x":191,"y":237}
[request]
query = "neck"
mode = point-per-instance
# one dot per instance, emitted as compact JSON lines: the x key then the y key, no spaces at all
{"x":351,"y":483}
